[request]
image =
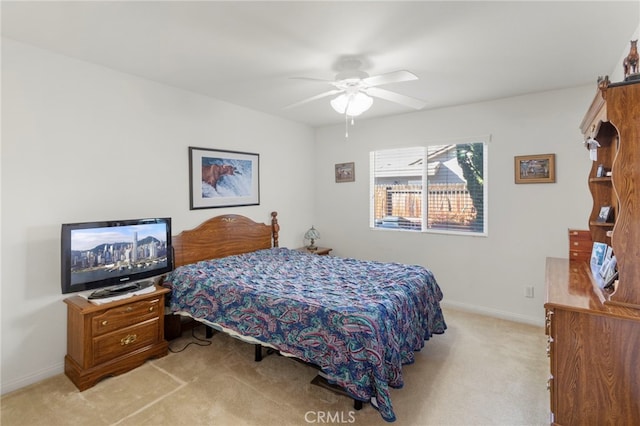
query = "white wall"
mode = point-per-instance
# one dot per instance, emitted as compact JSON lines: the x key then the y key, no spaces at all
{"x":81,"y":142}
{"x":527,"y":222}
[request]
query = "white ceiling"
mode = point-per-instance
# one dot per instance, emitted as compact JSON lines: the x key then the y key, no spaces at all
{"x":246,"y":52}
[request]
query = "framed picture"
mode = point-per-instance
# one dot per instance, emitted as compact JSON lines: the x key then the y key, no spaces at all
{"x":219,"y":178}
{"x":605,"y":214}
{"x":535,"y":168}
{"x":345,"y":172}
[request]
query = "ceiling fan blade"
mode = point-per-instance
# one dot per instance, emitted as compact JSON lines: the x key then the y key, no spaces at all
{"x":396,"y":97}
{"x":311,"y":79}
{"x":390,"y":77}
{"x":314,"y":98}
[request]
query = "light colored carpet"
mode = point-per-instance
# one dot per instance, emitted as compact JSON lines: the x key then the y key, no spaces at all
{"x":482,"y":371}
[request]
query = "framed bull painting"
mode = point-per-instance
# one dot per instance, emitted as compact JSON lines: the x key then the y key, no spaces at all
{"x":220,"y":178}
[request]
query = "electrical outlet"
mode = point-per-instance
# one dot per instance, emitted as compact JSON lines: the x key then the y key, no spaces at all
{"x":528,"y":291}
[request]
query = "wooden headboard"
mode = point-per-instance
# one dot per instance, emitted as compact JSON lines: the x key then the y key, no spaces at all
{"x":222,"y":236}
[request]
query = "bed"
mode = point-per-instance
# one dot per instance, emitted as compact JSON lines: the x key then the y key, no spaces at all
{"x":357,"y":321}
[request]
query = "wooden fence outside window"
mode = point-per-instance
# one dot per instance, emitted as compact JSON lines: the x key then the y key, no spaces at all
{"x":448,"y":204}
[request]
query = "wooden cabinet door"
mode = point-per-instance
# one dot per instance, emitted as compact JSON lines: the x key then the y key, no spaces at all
{"x":597,"y":369}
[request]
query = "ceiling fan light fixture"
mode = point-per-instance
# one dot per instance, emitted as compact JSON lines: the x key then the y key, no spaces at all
{"x":352,"y":104}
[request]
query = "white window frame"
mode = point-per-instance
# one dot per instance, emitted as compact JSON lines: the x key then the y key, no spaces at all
{"x":424,"y":180}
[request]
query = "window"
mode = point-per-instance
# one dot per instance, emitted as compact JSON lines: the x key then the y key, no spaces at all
{"x":438,"y":188}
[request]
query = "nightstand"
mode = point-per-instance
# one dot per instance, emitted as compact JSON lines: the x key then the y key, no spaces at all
{"x":320,"y":251}
{"x":113,"y":338}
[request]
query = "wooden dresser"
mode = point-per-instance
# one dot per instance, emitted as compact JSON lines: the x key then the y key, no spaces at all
{"x":113,"y":338}
{"x":594,"y":350}
{"x":594,"y":334}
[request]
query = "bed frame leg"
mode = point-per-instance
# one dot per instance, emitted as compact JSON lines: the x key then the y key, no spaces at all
{"x":258,"y":356}
{"x":208,"y":332}
{"x":357,"y":404}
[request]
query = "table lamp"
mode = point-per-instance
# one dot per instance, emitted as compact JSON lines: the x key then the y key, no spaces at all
{"x":312,"y":235}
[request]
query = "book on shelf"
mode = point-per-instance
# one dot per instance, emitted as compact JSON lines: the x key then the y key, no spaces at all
{"x":608,"y":255}
{"x":598,"y":253}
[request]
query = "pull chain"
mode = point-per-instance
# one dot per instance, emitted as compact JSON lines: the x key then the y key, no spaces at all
{"x":346,"y":125}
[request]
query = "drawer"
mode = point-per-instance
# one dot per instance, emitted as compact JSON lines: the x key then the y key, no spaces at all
{"x":582,"y":256}
{"x":113,"y":345}
{"x":579,"y":235}
{"x":124,"y":316}
{"x":580,"y":245}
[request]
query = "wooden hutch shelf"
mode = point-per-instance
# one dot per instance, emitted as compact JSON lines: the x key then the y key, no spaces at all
{"x":593,"y":333}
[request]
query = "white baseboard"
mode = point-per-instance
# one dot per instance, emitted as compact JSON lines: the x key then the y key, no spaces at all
{"x":510,"y":316}
{"x":13,"y":385}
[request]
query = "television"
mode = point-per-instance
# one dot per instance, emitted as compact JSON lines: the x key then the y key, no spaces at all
{"x":113,"y":253}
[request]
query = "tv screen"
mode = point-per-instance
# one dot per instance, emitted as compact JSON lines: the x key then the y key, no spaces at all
{"x":101,"y":254}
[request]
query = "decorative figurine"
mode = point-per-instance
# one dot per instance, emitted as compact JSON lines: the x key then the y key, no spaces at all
{"x":630,"y":63}
{"x":603,"y":82}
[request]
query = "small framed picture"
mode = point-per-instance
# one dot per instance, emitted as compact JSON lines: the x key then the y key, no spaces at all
{"x":345,"y":172}
{"x":605,"y":214}
{"x":535,"y":168}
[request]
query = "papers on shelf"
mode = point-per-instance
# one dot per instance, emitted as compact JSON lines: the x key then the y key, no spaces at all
{"x":603,"y":264}
{"x":598,"y":254}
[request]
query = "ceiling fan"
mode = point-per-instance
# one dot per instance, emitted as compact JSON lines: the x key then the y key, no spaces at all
{"x":355,"y":89}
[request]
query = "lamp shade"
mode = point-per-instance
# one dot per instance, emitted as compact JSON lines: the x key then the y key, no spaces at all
{"x":352,"y":104}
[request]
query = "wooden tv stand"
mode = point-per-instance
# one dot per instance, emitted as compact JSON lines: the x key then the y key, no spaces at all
{"x":113,"y":338}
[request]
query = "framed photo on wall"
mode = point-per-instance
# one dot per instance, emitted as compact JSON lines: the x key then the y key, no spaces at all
{"x":535,"y":168}
{"x":220,"y":178}
{"x":345,"y":172}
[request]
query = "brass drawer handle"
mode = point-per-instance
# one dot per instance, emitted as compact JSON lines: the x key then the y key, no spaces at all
{"x":105,"y":322}
{"x":150,"y":308}
{"x":129,"y":308}
{"x":128,"y":340}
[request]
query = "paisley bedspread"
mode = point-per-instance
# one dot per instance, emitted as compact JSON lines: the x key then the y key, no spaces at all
{"x":359,"y":321}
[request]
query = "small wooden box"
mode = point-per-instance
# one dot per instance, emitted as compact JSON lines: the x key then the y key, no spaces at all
{"x":580,"y":245}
